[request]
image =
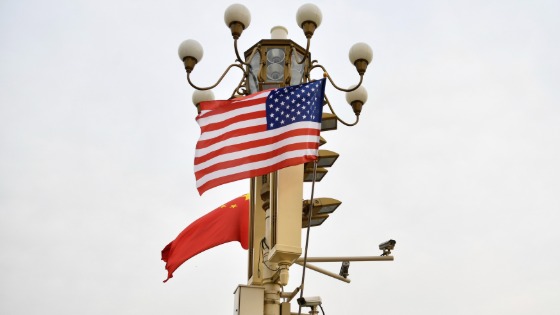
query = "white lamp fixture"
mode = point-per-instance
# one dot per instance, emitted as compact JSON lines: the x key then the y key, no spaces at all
{"x":309,"y":17}
{"x":357,"y":98}
{"x":202,"y":95}
{"x":237,"y":18}
{"x":191,"y":48}
{"x":191,"y":52}
{"x":360,"y":55}
{"x":360,"y":51}
{"x":279,"y":32}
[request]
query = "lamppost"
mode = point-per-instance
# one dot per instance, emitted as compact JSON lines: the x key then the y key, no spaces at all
{"x":277,"y":213}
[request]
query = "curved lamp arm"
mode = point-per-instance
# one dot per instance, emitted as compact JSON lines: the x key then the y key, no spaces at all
{"x":332,"y":82}
{"x":219,"y":80}
{"x":239,"y":59}
{"x":306,"y":52}
{"x":338,"y":118}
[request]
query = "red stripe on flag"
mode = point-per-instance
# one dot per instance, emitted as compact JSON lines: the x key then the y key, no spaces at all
{"x":255,"y":172}
{"x":254,"y":158}
{"x":201,"y":144}
{"x":227,"y":106}
{"x":233,"y":120}
{"x":254,"y":144}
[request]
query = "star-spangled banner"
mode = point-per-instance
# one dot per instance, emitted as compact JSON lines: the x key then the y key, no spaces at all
{"x":258,"y":134}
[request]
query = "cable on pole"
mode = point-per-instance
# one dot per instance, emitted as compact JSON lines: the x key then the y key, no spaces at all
{"x":309,"y":212}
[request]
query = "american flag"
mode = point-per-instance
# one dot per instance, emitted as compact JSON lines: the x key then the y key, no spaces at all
{"x":258,"y":134}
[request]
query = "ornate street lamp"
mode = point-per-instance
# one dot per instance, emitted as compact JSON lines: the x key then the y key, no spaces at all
{"x":276,"y":215}
{"x":277,"y":62}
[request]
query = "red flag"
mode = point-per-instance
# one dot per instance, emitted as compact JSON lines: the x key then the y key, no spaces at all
{"x":228,"y":223}
{"x":258,"y":134}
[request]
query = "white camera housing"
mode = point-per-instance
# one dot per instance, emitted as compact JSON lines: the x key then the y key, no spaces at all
{"x":309,"y":301}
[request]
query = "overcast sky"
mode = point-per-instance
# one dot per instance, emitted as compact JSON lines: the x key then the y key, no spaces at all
{"x":456,"y":156}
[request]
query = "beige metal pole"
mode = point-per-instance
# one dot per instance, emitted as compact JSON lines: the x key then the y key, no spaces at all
{"x":323,"y":271}
{"x":347,"y":258}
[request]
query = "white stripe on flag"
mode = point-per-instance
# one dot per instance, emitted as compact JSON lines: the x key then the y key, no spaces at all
{"x":255,"y":165}
{"x":203,"y":121}
{"x":257,"y":136}
{"x":255,"y":150}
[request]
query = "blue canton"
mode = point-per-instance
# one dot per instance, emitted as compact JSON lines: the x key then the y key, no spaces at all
{"x":295,"y":103}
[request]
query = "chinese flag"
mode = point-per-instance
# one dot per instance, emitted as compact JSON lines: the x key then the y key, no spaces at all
{"x":229,"y":222}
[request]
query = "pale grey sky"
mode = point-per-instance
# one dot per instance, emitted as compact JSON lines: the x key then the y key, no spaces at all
{"x":456,"y":156}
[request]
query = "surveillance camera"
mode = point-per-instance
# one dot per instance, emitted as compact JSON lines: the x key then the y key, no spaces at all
{"x":387,"y":247}
{"x":344,"y":269}
{"x":309,"y":301}
{"x":390,"y":244}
